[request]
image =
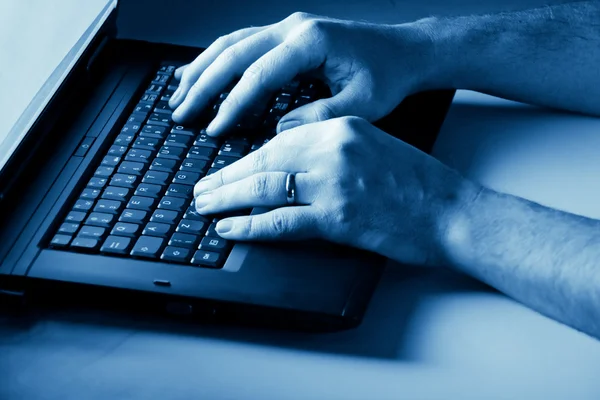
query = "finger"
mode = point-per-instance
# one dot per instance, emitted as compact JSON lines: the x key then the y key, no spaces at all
{"x":277,"y":155}
{"x":266,"y":189}
{"x":349,"y":101}
{"x":228,"y":65}
{"x":268,"y":73}
{"x":188,"y":74}
{"x":179,"y":72}
{"x":289,"y":223}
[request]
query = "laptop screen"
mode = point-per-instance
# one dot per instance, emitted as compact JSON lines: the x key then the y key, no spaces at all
{"x":40,"y":42}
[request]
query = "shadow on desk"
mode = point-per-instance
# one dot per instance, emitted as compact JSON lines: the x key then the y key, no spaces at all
{"x":381,"y":335}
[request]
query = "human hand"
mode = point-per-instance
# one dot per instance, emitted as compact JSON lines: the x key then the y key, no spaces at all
{"x":355,"y":185}
{"x":369,"y":68}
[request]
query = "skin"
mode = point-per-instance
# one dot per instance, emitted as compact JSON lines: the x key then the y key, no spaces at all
{"x":358,"y":186}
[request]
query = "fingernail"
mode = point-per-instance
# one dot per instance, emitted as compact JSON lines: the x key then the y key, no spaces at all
{"x":212,"y":127}
{"x":202,"y":200}
{"x":224,"y":226}
{"x":289,"y":124}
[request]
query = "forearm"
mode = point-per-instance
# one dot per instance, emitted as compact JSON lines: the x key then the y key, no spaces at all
{"x":547,"y":259}
{"x":548,"y":56}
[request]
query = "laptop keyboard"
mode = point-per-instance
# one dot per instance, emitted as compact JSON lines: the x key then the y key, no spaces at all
{"x":138,"y":201}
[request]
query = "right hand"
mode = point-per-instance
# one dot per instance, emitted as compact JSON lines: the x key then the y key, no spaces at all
{"x":369,"y":68}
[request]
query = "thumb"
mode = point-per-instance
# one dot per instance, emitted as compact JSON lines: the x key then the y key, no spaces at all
{"x":346,"y":102}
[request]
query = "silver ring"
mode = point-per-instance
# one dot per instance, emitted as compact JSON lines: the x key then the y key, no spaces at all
{"x":290,"y":188}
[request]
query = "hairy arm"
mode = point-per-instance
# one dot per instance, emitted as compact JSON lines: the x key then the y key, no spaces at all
{"x":547,"y":56}
{"x":547,"y":259}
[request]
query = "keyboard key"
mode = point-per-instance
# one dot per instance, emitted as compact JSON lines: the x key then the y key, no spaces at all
{"x":117,"y":151}
{"x":147,"y":246}
{"x":160,"y":119}
{"x":141,"y":203}
{"x":167,"y":69}
{"x":201,"y":153}
{"x":211,"y":231}
{"x":110,"y":161}
{"x":186,"y":178}
{"x":60,"y":240}
{"x":155,"y":89}
{"x":104,"y":172}
{"x":148,"y":190}
{"x":222,"y":161}
{"x":191,"y":213}
{"x":108,"y":206}
{"x":102,"y":220}
{"x":147,"y":143}
{"x":203,"y":140}
{"x":75,"y":216}
{"x":154,"y":131}
{"x":182,"y":130}
{"x":68,"y":228}
{"x":183,"y":191}
{"x":124,"y":139}
{"x":125,"y":229}
{"x":156,"y":178}
{"x":191,"y":165}
{"x":157,"y":229}
{"x":97,"y":183}
{"x":139,"y":155}
{"x":135,"y":119}
{"x":162,"y":107}
{"x":133,"y":216}
{"x":85,"y":243}
{"x":149,"y":98}
{"x":207,"y":258}
{"x":170,"y":152}
{"x":165,"y":216}
{"x":218,"y":245}
{"x":127,"y":181}
{"x":115,"y":193}
{"x":191,"y":226}
{"x":172,"y":203}
{"x":183,"y":240}
{"x":176,"y":254}
{"x":131,"y":128}
{"x":178,"y":140}
{"x":143,"y":108}
{"x":90,"y":194}
{"x":131,"y":168}
{"x":163,"y":165}
{"x":92,"y":231}
{"x":233,"y":150}
{"x":83,"y":205}
{"x":212,"y":171}
{"x":116,"y":245}
{"x":161,"y":79}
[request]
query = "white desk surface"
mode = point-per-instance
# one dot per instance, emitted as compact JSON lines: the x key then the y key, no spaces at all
{"x":428,"y":333}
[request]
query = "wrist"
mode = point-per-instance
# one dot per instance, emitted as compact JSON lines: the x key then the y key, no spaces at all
{"x":440,"y":53}
{"x":457,"y":222}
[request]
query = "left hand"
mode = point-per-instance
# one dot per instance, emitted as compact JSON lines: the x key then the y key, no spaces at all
{"x":355,"y":185}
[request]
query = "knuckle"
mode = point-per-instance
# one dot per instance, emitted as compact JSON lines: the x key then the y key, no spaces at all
{"x":254,"y":72}
{"x":299,"y":17}
{"x":260,"y":186}
{"x":322,"y":111}
{"x":258,"y":161}
{"x":229,"y":55}
{"x":279,"y":223}
{"x":230,"y":102}
{"x":222,"y":40}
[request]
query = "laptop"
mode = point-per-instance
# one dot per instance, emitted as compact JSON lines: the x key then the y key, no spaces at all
{"x":96,"y":198}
